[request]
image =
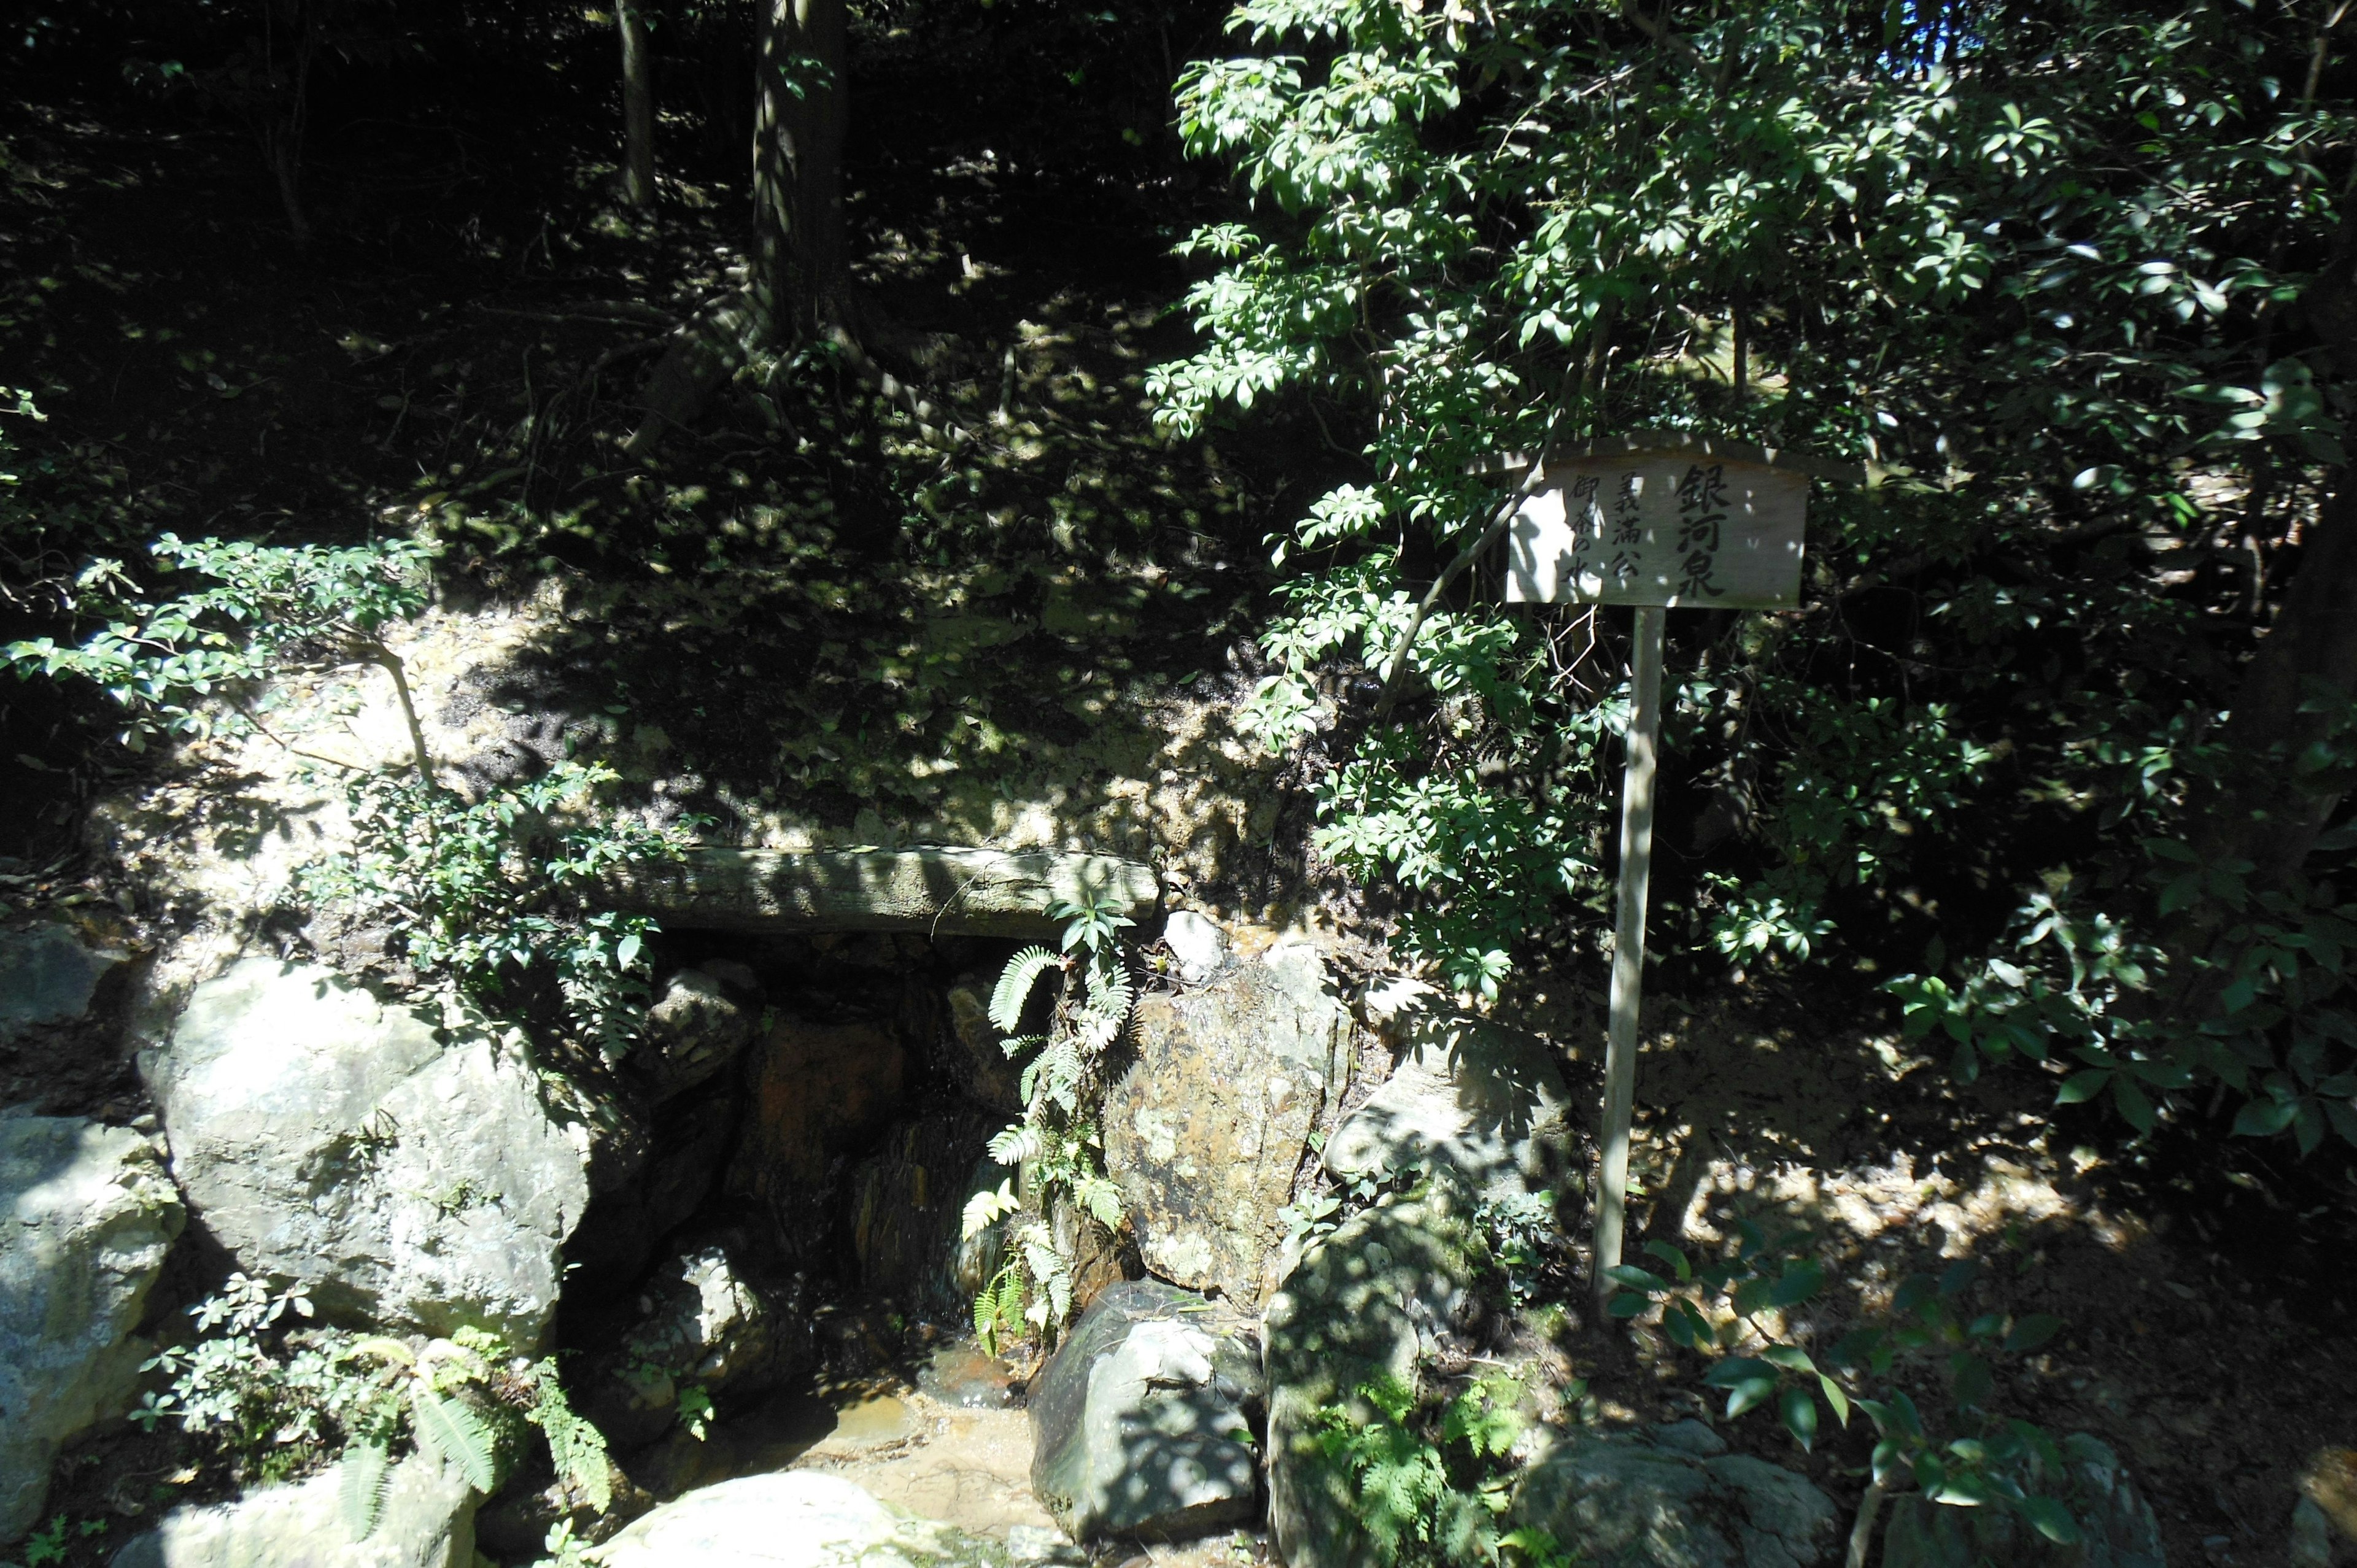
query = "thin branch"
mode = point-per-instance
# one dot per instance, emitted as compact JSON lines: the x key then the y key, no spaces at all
{"x":1532,"y":481}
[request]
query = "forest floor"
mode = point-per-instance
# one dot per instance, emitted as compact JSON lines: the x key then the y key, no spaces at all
{"x":807,"y":624}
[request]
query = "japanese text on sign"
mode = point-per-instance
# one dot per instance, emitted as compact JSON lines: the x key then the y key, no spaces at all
{"x":1691,"y":533}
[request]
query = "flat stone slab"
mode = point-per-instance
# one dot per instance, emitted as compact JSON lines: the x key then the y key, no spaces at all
{"x":944,"y":892}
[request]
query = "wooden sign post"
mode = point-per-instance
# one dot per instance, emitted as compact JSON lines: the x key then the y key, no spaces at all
{"x":1660,"y":521}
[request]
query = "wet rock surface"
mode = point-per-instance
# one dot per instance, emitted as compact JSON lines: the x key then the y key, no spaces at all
{"x":1206,"y":1129}
{"x":1142,"y":1420}
{"x":86,"y":1217}
{"x":907,"y":1207}
{"x":416,"y":1178}
{"x":815,"y":1093}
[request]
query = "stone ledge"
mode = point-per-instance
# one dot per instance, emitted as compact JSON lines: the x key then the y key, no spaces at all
{"x":929,"y":891}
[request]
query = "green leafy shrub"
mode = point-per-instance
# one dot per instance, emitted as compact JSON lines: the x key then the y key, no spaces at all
{"x":494,"y":894}
{"x":1975,"y":1457}
{"x":278,"y":1398}
{"x":1056,"y":1146}
{"x":269,"y":608}
{"x":1472,"y":233}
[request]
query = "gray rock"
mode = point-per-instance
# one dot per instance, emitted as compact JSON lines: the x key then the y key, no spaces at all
{"x":1207,"y":1127}
{"x":416,"y":1180}
{"x":792,"y":1519}
{"x":86,"y":1216}
{"x":707,"y":1322}
{"x":1197,"y":944}
{"x":1625,"y":1501}
{"x":47,"y":976}
{"x":2312,"y":1536}
{"x":1139,"y":1425}
{"x":427,"y":1521}
{"x":1485,"y":1099}
{"x":2118,"y":1528}
{"x":694,"y":1029}
{"x":1028,"y":1546}
{"x":1382,"y":1292}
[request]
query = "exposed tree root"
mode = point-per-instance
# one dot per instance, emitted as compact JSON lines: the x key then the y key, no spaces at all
{"x":706,"y":352}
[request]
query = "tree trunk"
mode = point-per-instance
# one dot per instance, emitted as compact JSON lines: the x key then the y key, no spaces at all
{"x":638,"y":107}
{"x":801,"y":286}
{"x":2273,"y":817}
{"x":801,"y":275}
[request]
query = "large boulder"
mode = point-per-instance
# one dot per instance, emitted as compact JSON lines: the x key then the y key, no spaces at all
{"x":1387,"y":1289}
{"x":1486,"y":1100}
{"x":86,"y":1216}
{"x":1207,"y":1127}
{"x":426,"y":1521}
{"x":47,"y":976}
{"x":1140,"y":1422}
{"x":414,"y":1175}
{"x":791,"y":1518}
{"x":1673,"y":1498}
{"x":2116,"y":1525}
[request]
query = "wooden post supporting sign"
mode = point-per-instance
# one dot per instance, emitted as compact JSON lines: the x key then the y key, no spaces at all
{"x":1660,"y":521}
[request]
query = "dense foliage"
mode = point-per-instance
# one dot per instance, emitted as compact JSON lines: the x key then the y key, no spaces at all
{"x":2065,"y":275}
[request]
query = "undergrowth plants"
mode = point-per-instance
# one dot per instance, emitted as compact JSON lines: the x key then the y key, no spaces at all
{"x":1731,"y":1310}
{"x":265,"y":609}
{"x":1056,"y":1147}
{"x":1431,"y":1476}
{"x":278,"y":1397}
{"x":487,"y":894}
{"x":492,"y":895}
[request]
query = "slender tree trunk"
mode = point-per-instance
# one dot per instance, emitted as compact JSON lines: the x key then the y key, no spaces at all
{"x":801,"y":285}
{"x":801,"y":278}
{"x":638,"y":107}
{"x":2274,"y":816}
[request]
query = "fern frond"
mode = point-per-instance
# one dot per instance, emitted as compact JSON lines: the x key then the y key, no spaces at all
{"x":1100,"y":1196}
{"x":1110,"y":992}
{"x":361,"y":1480}
{"x":985,"y":1210}
{"x":456,"y":1433}
{"x":386,"y":1350}
{"x":574,"y":1445}
{"x":1015,"y":983}
{"x":1014,"y":1144}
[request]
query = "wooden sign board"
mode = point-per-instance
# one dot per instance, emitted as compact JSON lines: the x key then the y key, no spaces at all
{"x":1703,"y":531}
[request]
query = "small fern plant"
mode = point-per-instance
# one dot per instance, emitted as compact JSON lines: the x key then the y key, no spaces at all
{"x":1431,"y":1479}
{"x":1056,"y":1146}
{"x":438,"y":1386}
{"x":281,"y":1397}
